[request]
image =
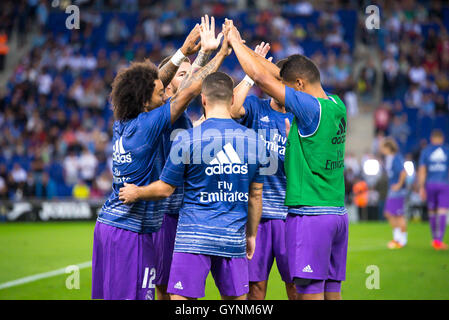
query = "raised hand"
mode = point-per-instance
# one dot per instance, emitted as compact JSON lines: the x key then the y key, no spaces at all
{"x":262,"y":50}
{"x":233,"y":33}
{"x":190,"y":46}
{"x":207,"y":32}
{"x":225,"y":48}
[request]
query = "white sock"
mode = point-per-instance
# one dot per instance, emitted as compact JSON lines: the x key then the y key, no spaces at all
{"x":397,"y":234}
{"x":403,"y":239}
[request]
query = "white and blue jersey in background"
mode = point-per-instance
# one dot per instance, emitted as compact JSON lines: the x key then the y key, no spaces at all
{"x":394,"y":165}
{"x":270,"y":125}
{"x":436,"y":160}
{"x":137,"y":159}
{"x":216,"y":162}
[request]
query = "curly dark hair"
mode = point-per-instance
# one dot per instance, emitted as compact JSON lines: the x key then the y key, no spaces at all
{"x":132,"y":88}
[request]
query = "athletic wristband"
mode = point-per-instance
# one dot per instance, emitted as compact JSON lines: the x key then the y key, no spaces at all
{"x":249,"y":80}
{"x":178,"y":58}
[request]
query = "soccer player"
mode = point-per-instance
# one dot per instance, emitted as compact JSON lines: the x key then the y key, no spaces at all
{"x":123,"y":263}
{"x":317,"y":223}
{"x":267,"y":117}
{"x":433,"y":180}
{"x":394,"y":205}
{"x":164,"y":239}
{"x":220,"y":170}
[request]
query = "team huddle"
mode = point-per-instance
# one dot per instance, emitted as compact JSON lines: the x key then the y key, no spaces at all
{"x":252,"y":181}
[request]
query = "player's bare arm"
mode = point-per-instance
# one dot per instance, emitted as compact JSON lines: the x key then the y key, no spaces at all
{"x":155,"y":191}
{"x":253,"y":67}
{"x":254,"y":215}
{"x":209,"y":42}
{"x":243,"y":88}
{"x":168,"y":71}
{"x":190,"y":87}
{"x":422,"y":175}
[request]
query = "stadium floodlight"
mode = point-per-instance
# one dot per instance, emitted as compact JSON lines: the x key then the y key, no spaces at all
{"x":371,"y":167}
{"x":409,"y":168}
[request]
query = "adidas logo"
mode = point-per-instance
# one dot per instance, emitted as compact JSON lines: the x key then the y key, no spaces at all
{"x":341,"y":133}
{"x":119,"y":154}
{"x":227,"y":161}
{"x":178,"y":286}
{"x":438,"y":156}
{"x":307,"y":268}
{"x":265,"y":119}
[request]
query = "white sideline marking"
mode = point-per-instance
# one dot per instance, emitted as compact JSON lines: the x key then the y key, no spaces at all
{"x":39,"y":276}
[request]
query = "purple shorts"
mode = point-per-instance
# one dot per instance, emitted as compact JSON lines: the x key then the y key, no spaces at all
{"x":270,"y":244}
{"x":123,"y":264}
{"x":164,"y":242}
{"x":395,"y":206}
{"x":319,"y":286}
{"x":317,"y":246}
{"x":189,"y":272}
{"x":437,"y":196}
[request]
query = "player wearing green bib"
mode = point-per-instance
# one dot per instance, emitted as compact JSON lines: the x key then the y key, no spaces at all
{"x":317,"y":223}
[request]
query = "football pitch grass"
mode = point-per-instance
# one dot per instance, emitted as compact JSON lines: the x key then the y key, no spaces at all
{"x":414,"y":272}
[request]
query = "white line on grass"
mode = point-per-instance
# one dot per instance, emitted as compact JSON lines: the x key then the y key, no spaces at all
{"x":39,"y":276}
{"x":87,"y":264}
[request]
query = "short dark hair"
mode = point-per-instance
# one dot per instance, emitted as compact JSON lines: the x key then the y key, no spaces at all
{"x":437,"y":133}
{"x":299,"y":66}
{"x":218,"y":86}
{"x":132,"y":88}
{"x":281,"y":63}
{"x":167,"y":59}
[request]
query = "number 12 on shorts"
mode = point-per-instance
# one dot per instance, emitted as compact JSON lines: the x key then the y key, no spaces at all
{"x":146,"y":281}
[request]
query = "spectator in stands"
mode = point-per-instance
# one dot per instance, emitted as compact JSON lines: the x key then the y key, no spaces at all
{"x":413,"y":97}
{"x":87,"y":164}
{"x":81,"y":190}
{"x":71,"y":168}
{"x":4,"y":49}
{"x":417,"y":74}
{"x":45,"y":188}
{"x":377,"y":142}
{"x":399,"y":129}
{"x":3,"y":189}
{"x":427,"y":105}
{"x":382,"y":117}
{"x":104,"y":181}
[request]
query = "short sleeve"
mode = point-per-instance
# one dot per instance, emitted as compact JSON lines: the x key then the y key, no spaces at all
{"x":175,"y":166}
{"x":154,"y":122}
{"x":305,"y":108}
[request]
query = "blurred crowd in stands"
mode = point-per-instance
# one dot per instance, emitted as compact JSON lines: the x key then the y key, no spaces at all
{"x":55,"y":115}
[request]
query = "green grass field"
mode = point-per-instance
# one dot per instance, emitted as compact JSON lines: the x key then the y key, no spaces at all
{"x":414,"y":272}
